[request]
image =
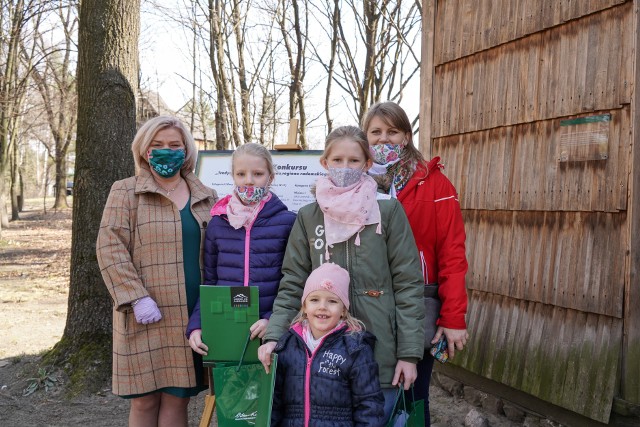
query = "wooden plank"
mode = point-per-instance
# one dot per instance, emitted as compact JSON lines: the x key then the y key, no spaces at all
{"x":534,"y":179}
{"x":442,"y":17}
{"x":553,"y":258}
{"x":578,"y":53}
{"x":426,"y":76}
{"x":630,"y":375}
{"x":486,"y":24}
{"x":563,"y":356}
{"x":613,"y":60}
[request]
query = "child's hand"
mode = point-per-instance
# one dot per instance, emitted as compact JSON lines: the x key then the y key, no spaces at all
{"x":406,"y":373}
{"x":195,"y":341}
{"x":264,"y":354}
{"x":259,"y":328}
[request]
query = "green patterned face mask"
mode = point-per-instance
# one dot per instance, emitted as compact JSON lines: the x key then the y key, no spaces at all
{"x":166,"y":162}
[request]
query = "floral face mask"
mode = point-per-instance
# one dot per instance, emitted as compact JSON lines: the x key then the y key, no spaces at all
{"x":166,"y":162}
{"x":250,"y":194}
{"x":386,"y":153}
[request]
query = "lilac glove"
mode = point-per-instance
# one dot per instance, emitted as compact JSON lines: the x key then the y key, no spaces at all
{"x":146,"y":311}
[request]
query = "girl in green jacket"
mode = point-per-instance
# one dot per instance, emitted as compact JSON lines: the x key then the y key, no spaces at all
{"x":368,"y":234}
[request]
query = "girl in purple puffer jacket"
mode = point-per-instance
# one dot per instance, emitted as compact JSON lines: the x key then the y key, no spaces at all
{"x":246,"y":238}
{"x":326,"y":375}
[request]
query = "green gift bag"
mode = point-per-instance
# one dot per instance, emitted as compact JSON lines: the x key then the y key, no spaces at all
{"x":403,"y":414}
{"x":244,"y":393}
{"x":227,"y":314}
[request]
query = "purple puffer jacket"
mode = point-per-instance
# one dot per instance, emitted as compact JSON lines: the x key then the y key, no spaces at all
{"x":246,"y":256}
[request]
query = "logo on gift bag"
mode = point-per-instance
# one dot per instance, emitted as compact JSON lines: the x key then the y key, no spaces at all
{"x":241,"y":416}
{"x":240,"y":296}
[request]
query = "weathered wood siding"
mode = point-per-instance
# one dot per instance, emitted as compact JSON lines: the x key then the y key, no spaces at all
{"x":547,"y":351}
{"x":466,"y":27}
{"x":516,"y":168}
{"x":583,"y":65}
{"x":547,"y":241}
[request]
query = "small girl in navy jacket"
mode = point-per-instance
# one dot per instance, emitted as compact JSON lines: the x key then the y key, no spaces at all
{"x":246,"y":238}
{"x":326,"y":374}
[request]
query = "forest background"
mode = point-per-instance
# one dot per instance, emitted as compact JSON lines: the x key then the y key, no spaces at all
{"x":75,"y":84}
{"x":233,"y":71}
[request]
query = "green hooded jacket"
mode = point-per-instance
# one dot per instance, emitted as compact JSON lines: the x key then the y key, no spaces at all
{"x":386,"y":289}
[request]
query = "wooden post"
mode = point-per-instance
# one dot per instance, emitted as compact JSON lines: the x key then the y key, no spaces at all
{"x":209,"y":399}
{"x":427,"y":73}
{"x":207,"y":413}
{"x":630,"y":375}
{"x":292,"y":139}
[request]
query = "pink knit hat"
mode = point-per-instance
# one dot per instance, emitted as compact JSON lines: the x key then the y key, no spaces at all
{"x":329,"y":277}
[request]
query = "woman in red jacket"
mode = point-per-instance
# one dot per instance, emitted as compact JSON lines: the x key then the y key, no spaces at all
{"x":431,"y":204}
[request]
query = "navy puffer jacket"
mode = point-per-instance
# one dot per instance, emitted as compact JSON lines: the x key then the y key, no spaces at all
{"x":342,"y":384}
{"x":225,"y":260}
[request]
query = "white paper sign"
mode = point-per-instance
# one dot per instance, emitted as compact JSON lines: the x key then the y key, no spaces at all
{"x":296,"y":172}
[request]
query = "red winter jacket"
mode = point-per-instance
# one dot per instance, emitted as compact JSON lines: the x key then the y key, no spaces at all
{"x":432,"y":206}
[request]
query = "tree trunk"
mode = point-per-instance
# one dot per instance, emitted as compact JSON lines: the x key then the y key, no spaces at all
{"x":335,"y":20}
{"x":239,"y":30}
{"x":61,"y":183}
{"x":56,"y":85}
{"x":10,"y":39}
{"x":14,"y":178}
{"x":107,"y":80}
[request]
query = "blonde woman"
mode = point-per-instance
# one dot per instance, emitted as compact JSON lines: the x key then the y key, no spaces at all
{"x":149,"y":251}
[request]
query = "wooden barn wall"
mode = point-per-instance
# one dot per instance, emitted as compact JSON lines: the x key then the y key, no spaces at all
{"x":630,"y":371}
{"x":572,"y":260}
{"x":471,"y":26}
{"x":547,"y":241}
{"x":560,"y":355}
{"x":517,"y":168}
{"x":584,"y":65}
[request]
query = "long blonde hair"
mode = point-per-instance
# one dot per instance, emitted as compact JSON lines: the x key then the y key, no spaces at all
{"x":256,"y":150}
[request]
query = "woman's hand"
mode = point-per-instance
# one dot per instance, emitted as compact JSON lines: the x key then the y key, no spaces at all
{"x":259,"y":328}
{"x":195,"y":341}
{"x":406,"y":373}
{"x":456,"y":339}
{"x":146,"y":311}
{"x":264,"y":354}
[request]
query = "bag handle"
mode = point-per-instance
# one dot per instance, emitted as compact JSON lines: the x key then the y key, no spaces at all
{"x":399,"y":394}
{"x":244,"y":351}
{"x":391,"y":422}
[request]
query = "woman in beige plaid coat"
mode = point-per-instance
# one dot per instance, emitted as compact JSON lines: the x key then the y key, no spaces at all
{"x":149,"y":252}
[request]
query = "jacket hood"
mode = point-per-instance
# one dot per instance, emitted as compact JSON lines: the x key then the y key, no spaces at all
{"x":354,"y":340}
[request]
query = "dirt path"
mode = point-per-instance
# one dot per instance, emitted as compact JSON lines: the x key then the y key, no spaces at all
{"x":34,"y":276}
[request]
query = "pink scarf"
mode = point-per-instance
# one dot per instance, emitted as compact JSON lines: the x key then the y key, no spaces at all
{"x":312,"y":342}
{"x":241,"y":215}
{"x":347,"y":209}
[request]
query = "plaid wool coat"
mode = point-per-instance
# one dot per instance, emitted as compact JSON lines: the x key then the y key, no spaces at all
{"x":139,"y":251}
